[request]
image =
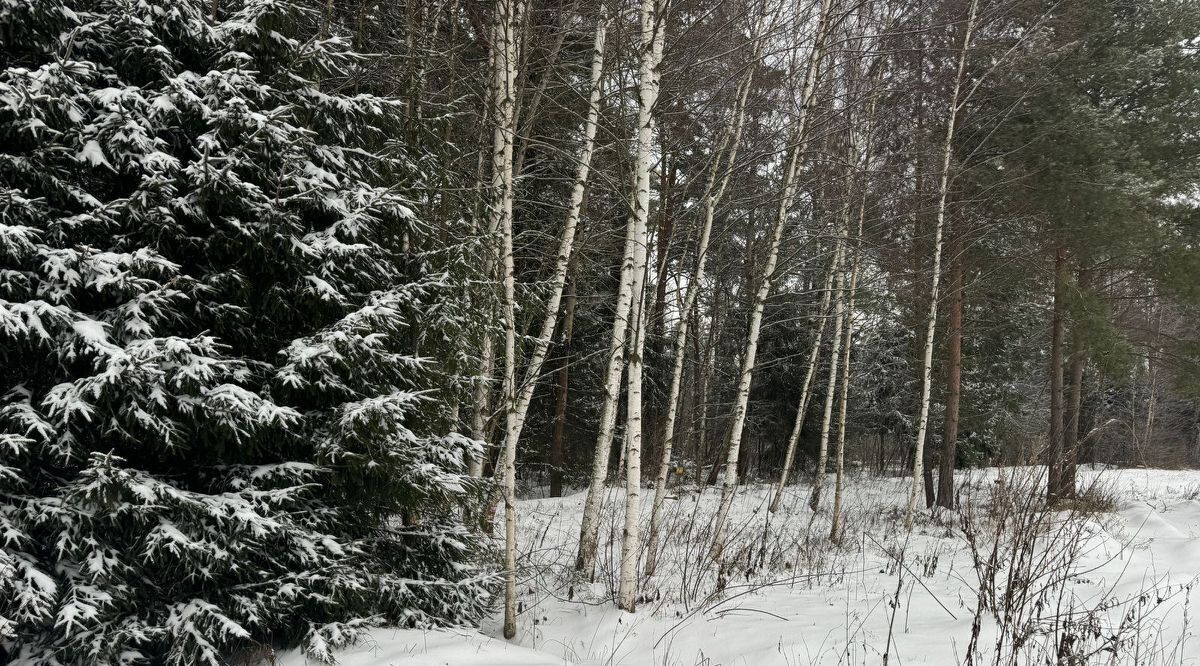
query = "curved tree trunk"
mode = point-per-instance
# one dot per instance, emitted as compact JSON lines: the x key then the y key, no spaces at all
{"x":814,"y":500}
{"x":518,"y":398}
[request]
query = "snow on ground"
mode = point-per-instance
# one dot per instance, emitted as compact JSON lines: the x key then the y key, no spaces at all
{"x":449,"y":647}
{"x":1115,"y":587}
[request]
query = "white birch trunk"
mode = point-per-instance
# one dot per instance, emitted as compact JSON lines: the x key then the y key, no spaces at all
{"x":635,"y":235}
{"x":943,"y":188}
{"x":814,"y":501}
{"x":567,"y":242}
{"x":764,"y":288}
{"x":725,"y":155}
{"x":487,"y":363}
{"x":630,"y":542}
{"x":487,"y":355}
{"x":710,"y":361}
{"x":789,"y":458}
{"x":862,"y":156}
{"x":630,"y":549}
{"x":504,"y":82}
{"x":847,"y":347}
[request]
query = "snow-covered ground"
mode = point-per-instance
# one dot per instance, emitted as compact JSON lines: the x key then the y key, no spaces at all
{"x":1116,"y":587}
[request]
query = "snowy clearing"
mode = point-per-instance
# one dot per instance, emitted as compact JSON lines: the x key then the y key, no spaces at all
{"x":1119,"y":582}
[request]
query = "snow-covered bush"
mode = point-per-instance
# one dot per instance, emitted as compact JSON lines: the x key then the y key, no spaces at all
{"x":220,"y":425}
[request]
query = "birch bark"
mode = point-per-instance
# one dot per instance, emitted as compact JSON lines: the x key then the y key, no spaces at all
{"x":718,"y":180}
{"x":931,"y":325}
{"x":764,"y":288}
{"x":566,"y":242}
{"x":814,"y":500}
{"x":789,"y":458}
{"x":847,"y":346}
{"x":635,"y":236}
{"x":504,"y":98}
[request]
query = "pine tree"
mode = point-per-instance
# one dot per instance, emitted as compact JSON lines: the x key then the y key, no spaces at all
{"x":221,"y":426}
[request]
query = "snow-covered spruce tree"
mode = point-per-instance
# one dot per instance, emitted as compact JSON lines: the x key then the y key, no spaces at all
{"x":219,"y":339}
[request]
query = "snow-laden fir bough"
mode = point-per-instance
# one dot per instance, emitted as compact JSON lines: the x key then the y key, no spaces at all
{"x":220,"y":426}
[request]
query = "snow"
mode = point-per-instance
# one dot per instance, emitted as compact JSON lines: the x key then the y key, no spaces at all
{"x":446,"y":647}
{"x":1132,"y":578}
{"x":92,"y":154}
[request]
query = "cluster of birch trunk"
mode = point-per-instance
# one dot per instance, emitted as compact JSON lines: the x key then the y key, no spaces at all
{"x":813,"y":113}
{"x":833,"y":52}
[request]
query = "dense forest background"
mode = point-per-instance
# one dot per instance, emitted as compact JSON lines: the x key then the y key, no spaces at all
{"x":295,"y":290}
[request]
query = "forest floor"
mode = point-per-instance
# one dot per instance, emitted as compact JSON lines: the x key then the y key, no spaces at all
{"x":1107,"y":580}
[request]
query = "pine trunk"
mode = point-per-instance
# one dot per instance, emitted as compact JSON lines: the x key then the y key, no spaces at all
{"x":945,"y":496}
{"x":558,"y":442}
{"x":1054,"y":449}
{"x":1074,"y":406}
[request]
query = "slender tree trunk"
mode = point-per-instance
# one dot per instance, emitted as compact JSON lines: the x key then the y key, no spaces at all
{"x":742,"y":398}
{"x":652,"y":44}
{"x":835,"y":530}
{"x":504,"y":98}
{"x":479,"y":418}
{"x":931,"y":325}
{"x":1054,"y":457}
{"x":662,"y":249}
{"x":487,"y":354}
{"x":635,"y":241}
{"x":1152,"y":372}
{"x":567,"y":241}
{"x":814,"y":352}
{"x":945,"y":496}
{"x":723,"y":160}
{"x":630,"y":549}
{"x":535,"y":101}
{"x":1074,"y":406}
{"x":558,"y":443}
{"x":706,"y":370}
{"x":814,"y":500}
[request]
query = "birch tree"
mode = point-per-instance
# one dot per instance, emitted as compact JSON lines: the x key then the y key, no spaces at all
{"x":630,"y":549}
{"x":504,"y":57}
{"x":862,"y":157}
{"x":860,"y":154}
{"x":517,"y":398}
{"x":652,"y":33}
{"x":721,"y":170}
{"x":814,"y":500}
{"x":835,"y":529}
{"x":741,"y":402}
{"x":789,"y":458}
{"x":931,"y":325}
{"x":566,"y":242}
